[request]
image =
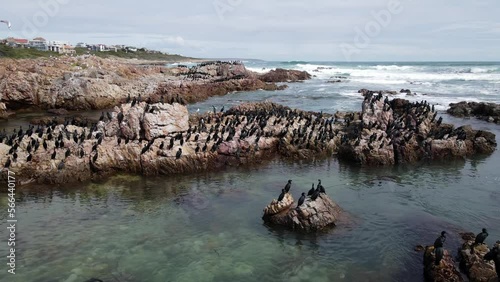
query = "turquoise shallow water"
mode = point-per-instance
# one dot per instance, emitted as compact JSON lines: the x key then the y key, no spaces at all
{"x":208,"y":227}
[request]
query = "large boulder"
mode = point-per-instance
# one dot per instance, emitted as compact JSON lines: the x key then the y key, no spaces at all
{"x":444,"y":272}
{"x":165,"y":119}
{"x":282,"y":75}
{"x":310,"y":216}
{"x":221,"y":69}
{"x":476,"y":268}
{"x":161,"y":119}
{"x":485,"y":111}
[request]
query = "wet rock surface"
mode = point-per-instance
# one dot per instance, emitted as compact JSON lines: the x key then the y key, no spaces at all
{"x":489,"y":112}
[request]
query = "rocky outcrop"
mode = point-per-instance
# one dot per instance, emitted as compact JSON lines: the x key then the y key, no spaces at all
{"x":312,"y":215}
{"x":145,"y":137}
{"x":366,"y":92}
{"x":221,"y":69}
{"x":389,"y":132}
{"x":282,"y":75}
{"x":473,"y":263}
{"x":444,"y":272}
{"x":88,"y":82}
{"x":484,"y":111}
{"x":151,"y":121}
{"x":277,"y":207}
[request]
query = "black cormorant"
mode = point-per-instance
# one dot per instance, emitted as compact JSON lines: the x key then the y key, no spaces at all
{"x":61,"y":165}
{"x":311,"y":191}
{"x":301,"y":199}
{"x":288,"y":185}
{"x":282,"y":195}
{"x":178,"y":154}
{"x":320,"y":187}
{"x":479,"y":239}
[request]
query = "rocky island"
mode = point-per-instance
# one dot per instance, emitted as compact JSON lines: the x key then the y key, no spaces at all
{"x":489,"y":112}
{"x":157,"y":136}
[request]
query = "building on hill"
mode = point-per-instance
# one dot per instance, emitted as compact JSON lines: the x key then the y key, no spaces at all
{"x":17,"y":42}
{"x":39,"y":43}
{"x":81,"y":45}
{"x":131,"y":49}
{"x":61,"y":48}
{"x":98,"y":48}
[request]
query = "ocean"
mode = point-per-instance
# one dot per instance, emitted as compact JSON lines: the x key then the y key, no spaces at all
{"x":440,"y":83}
{"x":208,"y":226}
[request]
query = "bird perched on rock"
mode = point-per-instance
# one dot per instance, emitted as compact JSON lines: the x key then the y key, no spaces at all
{"x":311,"y":191}
{"x":479,"y":239}
{"x":61,"y":165}
{"x":288,"y":185}
{"x":301,"y":200}
{"x":178,"y":154}
{"x":320,"y":187}
{"x":438,"y":247}
{"x":7,"y":163}
{"x":282,"y":195}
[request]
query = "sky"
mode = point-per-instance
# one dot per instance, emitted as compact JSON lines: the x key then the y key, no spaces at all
{"x":313,"y":30}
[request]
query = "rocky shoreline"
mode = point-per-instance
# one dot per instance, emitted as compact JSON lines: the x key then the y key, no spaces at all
{"x":146,"y":137}
{"x":90,"y":83}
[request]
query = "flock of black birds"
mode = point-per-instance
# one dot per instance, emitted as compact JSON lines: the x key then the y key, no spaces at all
{"x":313,"y":193}
{"x":32,"y":139}
{"x":196,"y":74}
{"x":402,"y":129}
{"x":293,"y":128}
{"x":162,"y":97}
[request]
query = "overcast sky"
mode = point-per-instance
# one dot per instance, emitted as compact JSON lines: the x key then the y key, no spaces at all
{"x":325,"y":30}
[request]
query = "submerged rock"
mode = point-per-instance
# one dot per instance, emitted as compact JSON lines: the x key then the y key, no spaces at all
{"x":310,"y":216}
{"x":444,"y":272}
{"x":473,"y":263}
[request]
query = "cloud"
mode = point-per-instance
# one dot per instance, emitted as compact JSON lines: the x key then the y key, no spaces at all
{"x":278,"y":29}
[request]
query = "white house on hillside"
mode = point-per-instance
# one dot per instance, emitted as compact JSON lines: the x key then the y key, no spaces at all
{"x":81,"y":45}
{"x":61,"y":47}
{"x":38,"y":43}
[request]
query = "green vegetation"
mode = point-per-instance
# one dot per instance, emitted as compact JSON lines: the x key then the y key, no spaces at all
{"x":23,"y":53}
{"x":141,"y":54}
{"x":27,"y":53}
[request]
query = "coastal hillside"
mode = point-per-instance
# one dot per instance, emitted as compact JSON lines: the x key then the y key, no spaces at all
{"x":140,"y":54}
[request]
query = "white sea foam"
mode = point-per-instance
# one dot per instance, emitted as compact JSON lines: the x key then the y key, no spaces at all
{"x":259,"y":70}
